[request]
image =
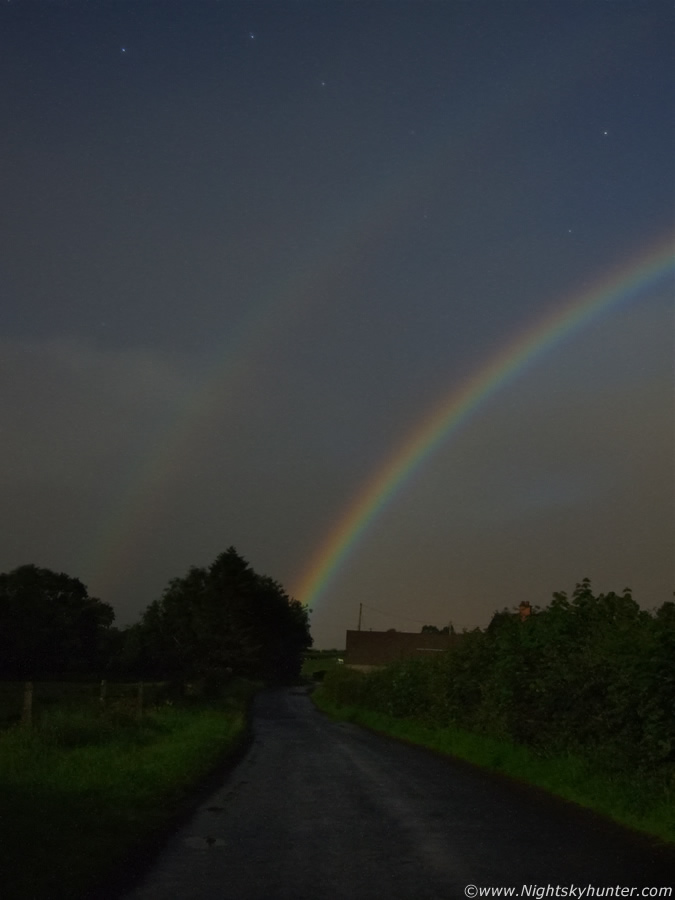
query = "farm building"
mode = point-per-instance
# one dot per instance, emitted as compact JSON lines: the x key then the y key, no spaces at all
{"x":368,"y":649}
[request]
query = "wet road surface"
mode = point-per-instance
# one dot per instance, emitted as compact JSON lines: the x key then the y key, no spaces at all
{"x":320,"y":810}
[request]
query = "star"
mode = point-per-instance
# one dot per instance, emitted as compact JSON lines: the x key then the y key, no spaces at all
{"x":251,"y":35}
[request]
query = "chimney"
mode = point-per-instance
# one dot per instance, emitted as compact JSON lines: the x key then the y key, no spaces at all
{"x":524,"y":610}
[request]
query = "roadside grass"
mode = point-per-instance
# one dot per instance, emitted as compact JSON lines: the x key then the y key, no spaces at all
{"x":83,"y":790}
{"x":643,"y":803}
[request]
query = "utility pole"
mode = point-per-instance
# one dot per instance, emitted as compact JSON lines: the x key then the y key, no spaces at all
{"x":360,"y":614}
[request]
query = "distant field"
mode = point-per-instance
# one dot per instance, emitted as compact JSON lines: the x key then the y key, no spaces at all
{"x":321,"y":663}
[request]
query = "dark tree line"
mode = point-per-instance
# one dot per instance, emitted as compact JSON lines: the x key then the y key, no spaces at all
{"x":221,"y":620}
{"x":434,"y":629}
{"x":211,"y":623}
{"x":50,"y":625}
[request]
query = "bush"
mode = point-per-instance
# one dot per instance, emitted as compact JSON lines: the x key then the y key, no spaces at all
{"x":589,"y":674}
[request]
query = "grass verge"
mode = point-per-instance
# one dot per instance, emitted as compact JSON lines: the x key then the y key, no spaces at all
{"x":643,"y":804}
{"x":82,"y":792}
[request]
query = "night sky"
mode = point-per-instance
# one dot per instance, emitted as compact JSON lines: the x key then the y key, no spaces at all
{"x":248,"y":247}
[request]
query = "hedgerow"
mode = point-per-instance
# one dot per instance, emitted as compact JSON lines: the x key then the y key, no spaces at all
{"x":588,"y":674}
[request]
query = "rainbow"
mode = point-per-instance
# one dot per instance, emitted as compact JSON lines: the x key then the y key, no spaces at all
{"x":620,"y":285}
{"x":136,"y":508}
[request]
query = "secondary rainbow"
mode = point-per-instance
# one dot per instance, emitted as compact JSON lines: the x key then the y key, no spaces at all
{"x":620,"y":285}
{"x":352,"y":226}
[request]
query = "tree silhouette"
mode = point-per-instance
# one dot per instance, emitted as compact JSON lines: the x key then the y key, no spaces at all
{"x":221,"y":620}
{"x":49,"y":624}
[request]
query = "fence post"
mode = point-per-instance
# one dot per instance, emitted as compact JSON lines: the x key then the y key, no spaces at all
{"x":27,"y":711}
{"x":139,"y":706}
{"x":104,"y":691}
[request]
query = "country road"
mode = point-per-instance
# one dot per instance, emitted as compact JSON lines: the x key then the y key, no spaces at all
{"x":319,"y":810}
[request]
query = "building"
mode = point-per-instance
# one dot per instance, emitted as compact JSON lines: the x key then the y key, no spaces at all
{"x":367,"y":650}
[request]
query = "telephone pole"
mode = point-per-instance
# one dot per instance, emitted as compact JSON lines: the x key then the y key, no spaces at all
{"x":360,"y":614}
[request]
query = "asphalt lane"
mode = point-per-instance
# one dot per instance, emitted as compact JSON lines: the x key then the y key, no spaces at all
{"x":320,"y":810}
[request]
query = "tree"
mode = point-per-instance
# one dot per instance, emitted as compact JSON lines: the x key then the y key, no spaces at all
{"x":49,"y":624}
{"x":434,"y":629}
{"x":220,"y":620}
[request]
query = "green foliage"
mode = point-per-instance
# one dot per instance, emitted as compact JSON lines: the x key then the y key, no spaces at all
{"x":220,"y":621}
{"x":83,"y":727}
{"x":639,"y":800}
{"x":591,"y":675}
{"x":83,"y":789}
{"x":49,"y":624}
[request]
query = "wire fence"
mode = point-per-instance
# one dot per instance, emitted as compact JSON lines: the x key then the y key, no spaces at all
{"x":22,"y":702}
